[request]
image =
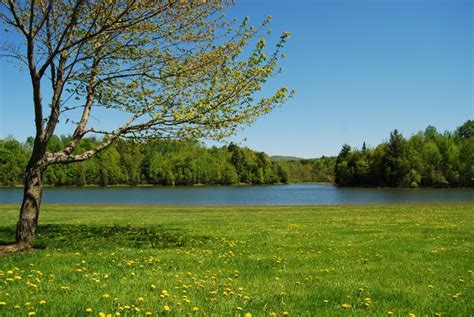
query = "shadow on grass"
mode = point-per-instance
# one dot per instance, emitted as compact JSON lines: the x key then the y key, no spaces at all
{"x":69,"y":236}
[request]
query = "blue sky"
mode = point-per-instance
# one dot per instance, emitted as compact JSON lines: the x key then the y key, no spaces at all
{"x":361,"y":68}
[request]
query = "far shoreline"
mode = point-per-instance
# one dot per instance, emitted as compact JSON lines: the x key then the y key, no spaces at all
{"x":235,"y":185}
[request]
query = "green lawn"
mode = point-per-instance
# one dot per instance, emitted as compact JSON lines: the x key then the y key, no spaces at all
{"x":296,"y":261}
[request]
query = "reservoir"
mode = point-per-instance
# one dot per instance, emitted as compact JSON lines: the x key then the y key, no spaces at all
{"x":292,"y":194}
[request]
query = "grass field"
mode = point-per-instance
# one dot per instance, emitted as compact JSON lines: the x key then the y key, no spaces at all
{"x":231,"y":261}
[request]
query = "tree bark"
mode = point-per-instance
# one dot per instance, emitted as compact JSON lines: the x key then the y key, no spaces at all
{"x":29,"y":212}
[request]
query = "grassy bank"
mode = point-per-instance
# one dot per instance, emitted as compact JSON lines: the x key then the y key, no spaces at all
{"x":352,"y":260}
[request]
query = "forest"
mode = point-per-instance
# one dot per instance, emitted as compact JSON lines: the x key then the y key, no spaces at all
{"x":164,"y":162}
{"x":427,"y":159}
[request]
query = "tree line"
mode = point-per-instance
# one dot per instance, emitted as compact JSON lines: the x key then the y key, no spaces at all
{"x":166,"y":162}
{"x":428,"y":159}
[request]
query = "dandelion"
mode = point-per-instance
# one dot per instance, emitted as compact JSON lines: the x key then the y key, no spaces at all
{"x":166,"y":309}
{"x":89,"y":310}
{"x":272,"y":314}
{"x":140,"y":299}
{"x":195,"y":309}
{"x":148,"y":313}
{"x":411,"y":315}
{"x":367,"y":301}
{"x":101,"y":314}
{"x":42,"y":302}
{"x":346,"y":306}
{"x":285,"y":313}
{"x":105,"y":296}
{"x":3,"y":303}
{"x":391,"y":313}
{"x":248,"y":315}
{"x":31,"y":313}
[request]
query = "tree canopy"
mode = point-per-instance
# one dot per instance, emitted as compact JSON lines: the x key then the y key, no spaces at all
{"x":428,"y":158}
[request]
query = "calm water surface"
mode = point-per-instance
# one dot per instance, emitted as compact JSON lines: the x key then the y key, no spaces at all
{"x":294,"y":194}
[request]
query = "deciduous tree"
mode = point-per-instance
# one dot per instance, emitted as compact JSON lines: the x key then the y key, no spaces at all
{"x":177,"y":68}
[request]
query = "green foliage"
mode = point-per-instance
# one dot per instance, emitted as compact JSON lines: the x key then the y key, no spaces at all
{"x":306,"y":171}
{"x":426,"y":159}
{"x":13,"y":159}
{"x":165,"y":162}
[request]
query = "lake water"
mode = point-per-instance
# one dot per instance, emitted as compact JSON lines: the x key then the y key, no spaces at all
{"x":294,"y":194}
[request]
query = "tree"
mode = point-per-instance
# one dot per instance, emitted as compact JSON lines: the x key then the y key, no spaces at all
{"x":177,"y":69}
{"x":343,"y":171}
{"x":466,"y":130}
{"x":395,"y":165}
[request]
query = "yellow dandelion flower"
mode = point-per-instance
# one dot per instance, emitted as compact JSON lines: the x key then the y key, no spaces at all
{"x":285,"y":313}
{"x":3,"y":303}
{"x":148,"y":313}
{"x":31,"y":313}
{"x":166,"y":309}
{"x":248,"y":315}
{"x":105,"y":296}
{"x":411,"y":315}
{"x":391,"y":313}
{"x":42,"y":302}
{"x":89,"y":310}
{"x":101,"y":314}
{"x":346,"y":306}
{"x":140,"y":299}
{"x":272,"y":314}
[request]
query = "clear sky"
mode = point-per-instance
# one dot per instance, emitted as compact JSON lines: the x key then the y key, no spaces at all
{"x":361,"y":68}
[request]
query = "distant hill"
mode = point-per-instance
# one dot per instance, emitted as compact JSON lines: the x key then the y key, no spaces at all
{"x":279,"y":158}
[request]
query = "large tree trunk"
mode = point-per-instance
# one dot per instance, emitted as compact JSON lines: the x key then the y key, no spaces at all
{"x":29,"y":212}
